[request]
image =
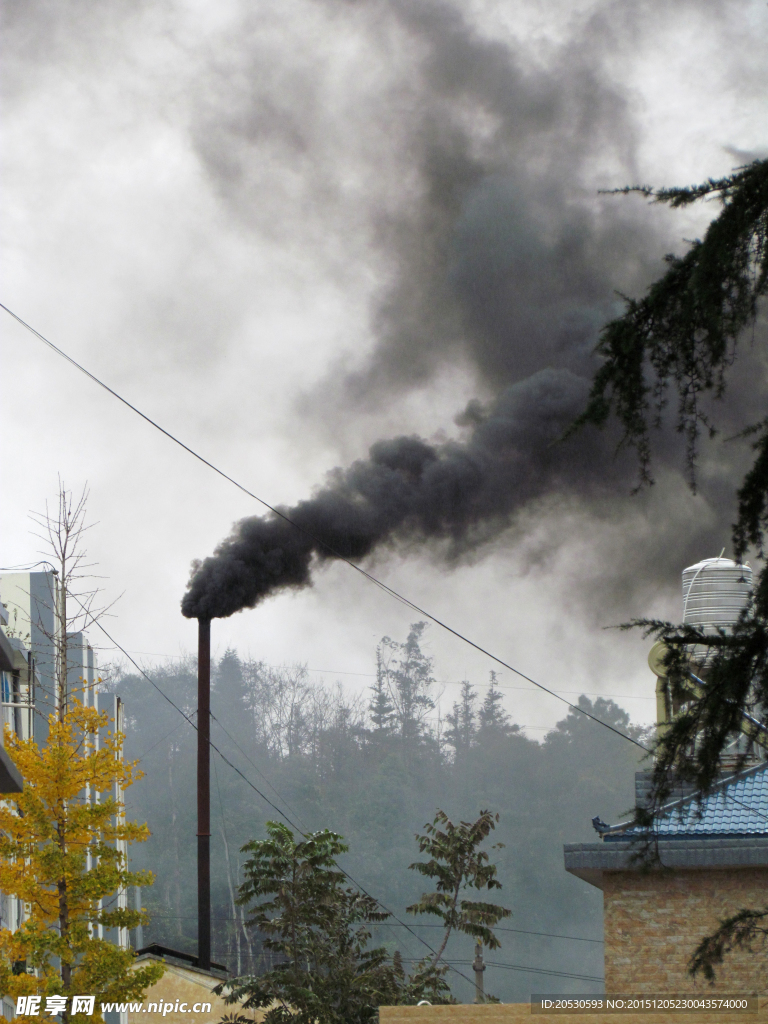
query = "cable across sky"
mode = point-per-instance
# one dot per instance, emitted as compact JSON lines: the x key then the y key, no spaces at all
{"x":353,"y":565}
{"x":263,"y":796}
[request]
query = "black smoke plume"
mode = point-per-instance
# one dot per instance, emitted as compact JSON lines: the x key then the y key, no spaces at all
{"x":497,"y":255}
{"x":408,"y":490}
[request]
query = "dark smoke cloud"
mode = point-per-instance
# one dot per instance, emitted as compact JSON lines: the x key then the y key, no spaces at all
{"x":482,"y":221}
{"x":506,"y":260}
{"x":408,"y":491}
{"x":499,"y":256}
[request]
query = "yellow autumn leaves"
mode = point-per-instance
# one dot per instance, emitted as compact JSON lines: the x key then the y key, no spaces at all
{"x":62,"y":854}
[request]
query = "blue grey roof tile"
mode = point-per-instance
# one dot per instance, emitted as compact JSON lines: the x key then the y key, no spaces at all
{"x":738,"y":806}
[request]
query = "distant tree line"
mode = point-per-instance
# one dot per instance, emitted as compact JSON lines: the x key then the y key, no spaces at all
{"x":372,"y":768}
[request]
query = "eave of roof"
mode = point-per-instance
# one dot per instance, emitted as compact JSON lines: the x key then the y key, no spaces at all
{"x":590,"y":861}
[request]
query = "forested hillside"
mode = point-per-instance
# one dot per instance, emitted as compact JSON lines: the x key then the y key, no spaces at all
{"x":375,"y":768}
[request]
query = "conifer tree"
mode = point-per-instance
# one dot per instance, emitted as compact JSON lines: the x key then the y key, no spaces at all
{"x":683,"y":336}
{"x":493,"y":720}
{"x":461,"y":720}
{"x":381,"y":707}
{"x":410,"y":670}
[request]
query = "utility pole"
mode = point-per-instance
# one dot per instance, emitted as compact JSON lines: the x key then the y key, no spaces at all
{"x":478,"y":967}
{"x":137,"y":906}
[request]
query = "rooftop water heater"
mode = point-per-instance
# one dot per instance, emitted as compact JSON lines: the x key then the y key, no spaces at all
{"x":715,"y":592}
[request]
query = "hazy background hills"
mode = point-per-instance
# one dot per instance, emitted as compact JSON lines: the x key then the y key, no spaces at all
{"x":375,"y":767}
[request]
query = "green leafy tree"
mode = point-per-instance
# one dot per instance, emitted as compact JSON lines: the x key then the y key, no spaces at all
{"x":683,"y":336}
{"x":318,"y":931}
{"x":456,"y":864}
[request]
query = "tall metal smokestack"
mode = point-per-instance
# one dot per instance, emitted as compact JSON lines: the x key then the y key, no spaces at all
{"x":204,"y":794}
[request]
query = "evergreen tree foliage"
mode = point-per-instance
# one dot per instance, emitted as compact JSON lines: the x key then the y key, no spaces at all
{"x":684,"y":335}
{"x":493,"y":721}
{"x":685,"y":331}
{"x":381,"y":707}
{"x":375,"y":789}
{"x":461,"y":720}
{"x":408,"y":671}
{"x":317,"y":928}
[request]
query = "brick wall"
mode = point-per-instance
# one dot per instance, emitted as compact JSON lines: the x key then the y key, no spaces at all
{"x":520,"y":1013}
{"x":653,"y":921}
{"x":185,"y":985}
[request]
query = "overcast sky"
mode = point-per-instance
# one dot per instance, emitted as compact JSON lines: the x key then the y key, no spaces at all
{"x":291,"y":228}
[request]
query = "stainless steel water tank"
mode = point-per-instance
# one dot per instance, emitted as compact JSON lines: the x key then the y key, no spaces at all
{"x":715,"y":591}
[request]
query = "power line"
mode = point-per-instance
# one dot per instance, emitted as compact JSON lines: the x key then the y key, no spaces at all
{"x":187,"y":717}
{"x":529,"y":970}
{"x":443,"y":682}
{"x":520,"y":931}
{"x":256,"y":768}
{"x":140,"y":757}
{"x":391,"y":924}
{"x":266,"y":798}
{"x":450,"y":963}
{"x":541,"y":970}
{"x":316,"y":540}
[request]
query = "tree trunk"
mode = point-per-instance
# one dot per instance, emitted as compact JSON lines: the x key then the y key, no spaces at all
{"x":63,"y":647}
{"x":232,"y":899}
{"x":449,"y":928}
{"x":66,"y":969}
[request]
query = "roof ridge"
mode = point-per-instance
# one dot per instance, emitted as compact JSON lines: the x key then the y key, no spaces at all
{"x":719,"y":785}
{"x":667,"y":811}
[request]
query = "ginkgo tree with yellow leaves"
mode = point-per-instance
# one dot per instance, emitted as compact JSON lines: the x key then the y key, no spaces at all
{"x":62,"y":854}
{"x":63,"y":839}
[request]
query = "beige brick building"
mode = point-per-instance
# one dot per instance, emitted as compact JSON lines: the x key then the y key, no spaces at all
{"x":184,"y":995}
{"x":518,"y":1013}
{"x":713,"y":861}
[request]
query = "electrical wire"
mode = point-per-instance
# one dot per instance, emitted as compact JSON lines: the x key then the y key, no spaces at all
{"x":316,"y":540}
{"x":520,"y":931}
{"x":257,"y":769}
{"x":542,"y":970}
{"x":392,"y":924}
{"x":248,"y":781}
{"x":140,"y":757}
{"x":450,"y":963}
{"x":266,"y":799}
{"x":529,"y":970}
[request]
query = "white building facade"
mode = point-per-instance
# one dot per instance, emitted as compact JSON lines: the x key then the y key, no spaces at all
{"x":30,"y":648}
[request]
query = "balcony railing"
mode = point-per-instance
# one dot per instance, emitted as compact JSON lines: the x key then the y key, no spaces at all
{"x":19,"y":718}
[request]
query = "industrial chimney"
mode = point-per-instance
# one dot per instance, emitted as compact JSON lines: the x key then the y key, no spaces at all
{"x":204,"y":794}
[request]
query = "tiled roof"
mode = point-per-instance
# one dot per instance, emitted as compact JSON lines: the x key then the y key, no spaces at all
{"x":738,"y":806}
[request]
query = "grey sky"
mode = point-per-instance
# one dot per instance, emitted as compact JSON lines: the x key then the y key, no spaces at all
{"x":288,"y":230}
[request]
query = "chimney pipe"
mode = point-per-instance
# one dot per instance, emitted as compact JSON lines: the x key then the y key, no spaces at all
{"x":204,"y":794}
